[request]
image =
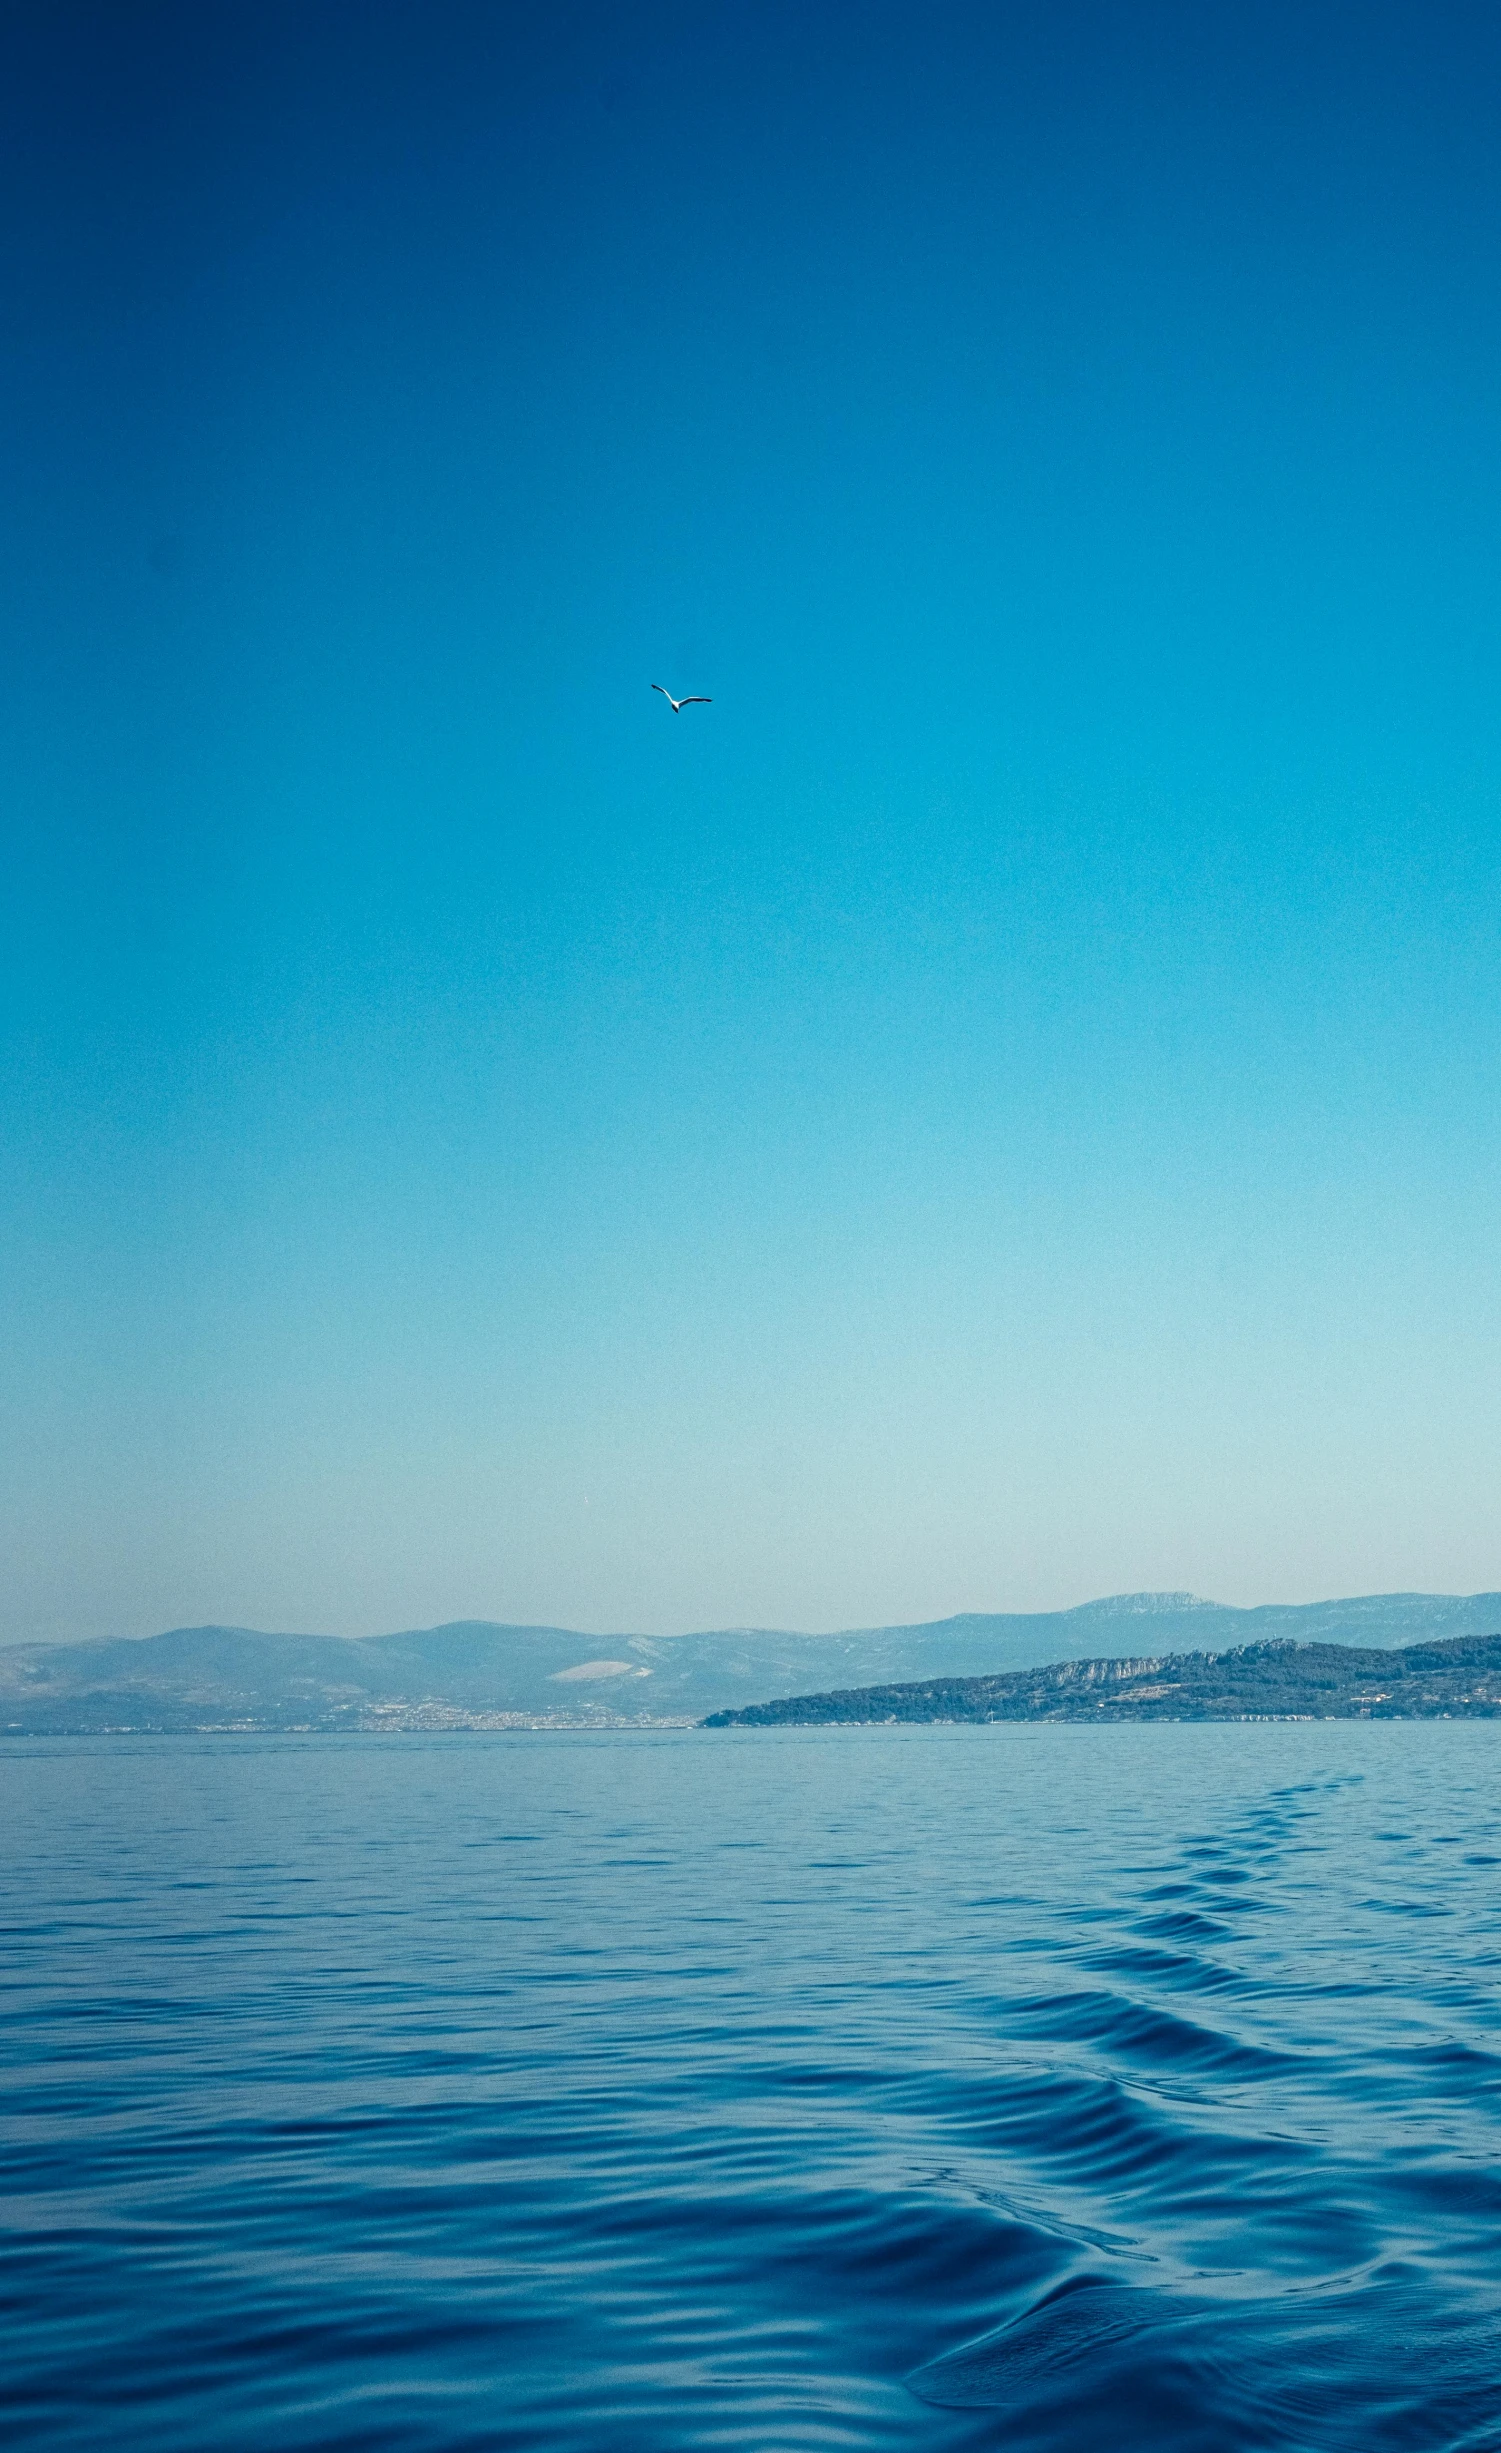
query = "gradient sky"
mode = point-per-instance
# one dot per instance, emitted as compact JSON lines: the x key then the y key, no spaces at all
{"x":1003,"y":1106}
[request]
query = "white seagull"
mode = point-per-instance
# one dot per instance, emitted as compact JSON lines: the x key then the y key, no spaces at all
{"x":676,"y":703}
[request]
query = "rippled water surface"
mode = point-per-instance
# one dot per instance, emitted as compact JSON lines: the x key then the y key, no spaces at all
{"x":916,"y":2088}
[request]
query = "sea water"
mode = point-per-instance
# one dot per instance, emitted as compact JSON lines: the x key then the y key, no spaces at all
{"x":1031,"y":2087}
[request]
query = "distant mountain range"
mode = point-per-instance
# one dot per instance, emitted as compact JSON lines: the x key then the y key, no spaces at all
{"x":1455,"y":1680}
{"x":474,"y":1674}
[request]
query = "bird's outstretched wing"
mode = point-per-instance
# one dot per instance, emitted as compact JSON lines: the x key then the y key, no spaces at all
{"x":693,"y":702}
{"x":667,"y":694}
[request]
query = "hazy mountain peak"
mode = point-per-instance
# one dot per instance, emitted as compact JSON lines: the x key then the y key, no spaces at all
{"x":1142,"y":1605}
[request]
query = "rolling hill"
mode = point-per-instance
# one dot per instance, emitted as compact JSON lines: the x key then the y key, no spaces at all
{"x":475,"y":1673}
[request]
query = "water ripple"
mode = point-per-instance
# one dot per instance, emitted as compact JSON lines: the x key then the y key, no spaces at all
{"x":933,"y":2088}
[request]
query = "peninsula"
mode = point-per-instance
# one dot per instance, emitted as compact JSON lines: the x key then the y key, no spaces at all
{"x":1459,"y":1679}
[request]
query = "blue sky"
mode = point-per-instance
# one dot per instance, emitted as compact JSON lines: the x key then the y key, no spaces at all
{"x":999,"y":1108}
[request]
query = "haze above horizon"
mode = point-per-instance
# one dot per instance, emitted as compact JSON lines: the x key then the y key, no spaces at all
{"x":1006,"y":1102}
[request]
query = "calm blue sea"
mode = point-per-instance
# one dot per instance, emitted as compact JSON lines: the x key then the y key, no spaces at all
{"x":939,"y":2088}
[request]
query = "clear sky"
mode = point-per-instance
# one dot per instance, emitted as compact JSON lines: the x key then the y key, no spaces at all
{"x":1001,"y":1107}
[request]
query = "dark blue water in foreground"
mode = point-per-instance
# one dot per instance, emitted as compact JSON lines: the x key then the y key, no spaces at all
{"x":911,"y":2088}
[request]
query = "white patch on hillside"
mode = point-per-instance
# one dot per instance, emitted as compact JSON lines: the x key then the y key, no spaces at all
{"x":598,"y":1669}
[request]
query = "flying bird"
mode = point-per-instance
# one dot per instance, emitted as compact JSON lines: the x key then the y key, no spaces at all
{"x":676,"y":703}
